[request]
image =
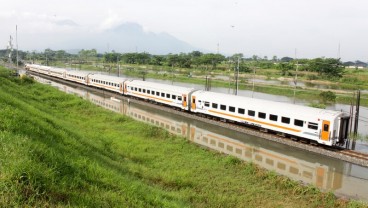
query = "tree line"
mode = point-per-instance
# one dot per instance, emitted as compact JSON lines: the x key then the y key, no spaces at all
{"x":328,"y":67}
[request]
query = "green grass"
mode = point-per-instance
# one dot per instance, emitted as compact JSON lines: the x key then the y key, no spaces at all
{"x":58,"y":150}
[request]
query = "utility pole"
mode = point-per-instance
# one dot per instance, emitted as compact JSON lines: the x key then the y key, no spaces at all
{"x":16,"y":40}
{"x":254,"y":77}
{"x":10,"y":48}
{"x":237,"y":78}
{"x":117,"y":61}
{"x":172,"y":74}
{"x":296,"y":75}
{"x":356,"y":120}
{"x":357,"y":114}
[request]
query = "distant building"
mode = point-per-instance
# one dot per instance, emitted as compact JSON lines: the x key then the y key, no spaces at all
{"x":355,"y":65}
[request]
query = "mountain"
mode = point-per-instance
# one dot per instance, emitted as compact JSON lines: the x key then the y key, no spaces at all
{"x":130,"y":37}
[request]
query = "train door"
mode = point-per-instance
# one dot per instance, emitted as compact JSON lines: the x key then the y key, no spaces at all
{"x":193,"y":102}
{"x":125,"y":88}
{"x":325,"y":130}
{"x":184,"y":101}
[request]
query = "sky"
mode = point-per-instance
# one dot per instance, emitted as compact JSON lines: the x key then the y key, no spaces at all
{"x":294,"y":28}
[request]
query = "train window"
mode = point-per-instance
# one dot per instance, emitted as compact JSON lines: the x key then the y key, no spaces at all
{"x":139,"y":89}
{"x":294,"y":170}
{"x":281,"y":166}
{"x":214,"y":105}
{"x":162,"y":94}
{"x":153,"y":92}
{"x":273,"y":117}
{"x":168,"y":96}
{"x":312,"y":125}
{"x":207,"y":104}
{"x":173,"y":97}
{"x":135,"y":89}
{"x":148,"y":91}
{"x":298,"y":122}
{"x":325,"y":127}
{"x":261,"y":115}
{"x":285,"y":120}
{"x":231,"y":109}
{"x":241,"y":111}
{"x":251,"y":113}
{"x":157,"y":93}
{"x":144,"y":90}
{"x":179,"y":98}
{"x":185,"y":99}
{"x":223,"y":107}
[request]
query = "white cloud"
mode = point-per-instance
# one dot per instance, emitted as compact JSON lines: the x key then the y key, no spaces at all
{"x":260,"y":26}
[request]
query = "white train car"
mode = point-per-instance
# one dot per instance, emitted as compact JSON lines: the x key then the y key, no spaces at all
{"x":32,"y":67}
{"x":161,"y":93}
{"x":38,"y":68}
{"x":322,"y":126}
{"x":107,"y":82}
{"x":57,"y":72}
{"x":77,"y":76}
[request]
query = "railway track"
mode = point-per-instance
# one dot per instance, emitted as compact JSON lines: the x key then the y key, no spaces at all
{"x":342,"y":154}
{"x":355,"y":154}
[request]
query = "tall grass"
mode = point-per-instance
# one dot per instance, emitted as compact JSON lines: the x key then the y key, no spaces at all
{"x":58,"y":150}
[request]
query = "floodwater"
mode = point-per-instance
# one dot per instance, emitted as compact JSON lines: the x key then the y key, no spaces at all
{"x":291,"y":83}
{"x":343,"y":178}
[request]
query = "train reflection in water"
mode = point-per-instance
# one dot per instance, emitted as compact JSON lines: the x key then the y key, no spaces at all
{"x":325,"y":173}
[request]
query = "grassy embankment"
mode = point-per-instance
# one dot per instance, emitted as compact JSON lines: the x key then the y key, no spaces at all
{"x":59,"y":150}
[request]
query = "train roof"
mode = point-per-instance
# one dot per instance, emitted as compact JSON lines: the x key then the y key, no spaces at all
{"x":107,"y":78}
{"x":165,"y":87}
{"x":79,"y":73}
{"x":267,"y":105}
{"x":55,"y":69}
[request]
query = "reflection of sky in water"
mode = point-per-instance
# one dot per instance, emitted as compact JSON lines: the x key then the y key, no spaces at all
{"x":325,"y":173}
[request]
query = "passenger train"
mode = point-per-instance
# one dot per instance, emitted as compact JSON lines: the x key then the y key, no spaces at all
{"x":321,"y":126}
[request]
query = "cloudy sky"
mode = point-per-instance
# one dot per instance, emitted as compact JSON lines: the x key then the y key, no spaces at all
{"x":315,"y":28}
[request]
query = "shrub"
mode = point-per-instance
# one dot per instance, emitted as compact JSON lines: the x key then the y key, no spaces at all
{"x":327,"y":96}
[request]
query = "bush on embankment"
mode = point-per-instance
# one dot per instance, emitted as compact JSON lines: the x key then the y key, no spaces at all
{"x":59,"y":150}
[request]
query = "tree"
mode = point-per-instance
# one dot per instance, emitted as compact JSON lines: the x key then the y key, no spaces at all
{"x":329,"y":67}
{"x":111,"y":57}
{"x":172,"y":60}
{"x":274,"y":58}
{"x":284,"y":67}
{"x":212,"y":59}
{"x":286,"y":59}
{"x":157,"y":60}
